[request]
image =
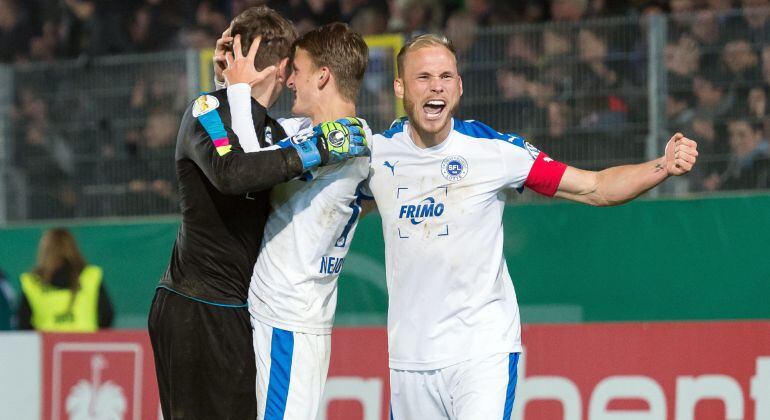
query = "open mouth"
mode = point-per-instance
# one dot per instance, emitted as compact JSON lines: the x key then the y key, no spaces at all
{"x":434,"y":108}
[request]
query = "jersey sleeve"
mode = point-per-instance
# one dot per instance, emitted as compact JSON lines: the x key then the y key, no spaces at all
{"x":209,"y":141}
{"x":295,"y":125}
{"x":526,"y":166}
{"x":239,"y":99}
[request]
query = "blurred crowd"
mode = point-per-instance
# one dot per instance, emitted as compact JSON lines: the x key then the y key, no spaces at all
{"x":50,"y":29}
{"x":94,"y":133}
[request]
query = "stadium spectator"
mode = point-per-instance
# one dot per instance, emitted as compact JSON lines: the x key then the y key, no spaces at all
{"x":706,"y":32}
{"x":743,"y":70}
{"x":370,"y":21}
{"x":568,"y":10}
{"x":146,"y":31}
{"x":44,"y":47}
{"x":99,"y":27}
{"x":713,"y":100}
{"x":542,"y":95}
{"x":7,"y":304}
{"x":682,"y":57}
{"x":523,"y":49}
{"x":45,"y":157}
{"x":513,"y":108}
{"x":152,"y":186}
{"x":63,"y":293}
{"x":481,"y":11}
{"x":766,"y":65}
{"x":15,"y":31}
{"x":557,"y":62}
{"x":308,"y":14}
{"x":749,"y":163}
{"x":204,"y":32}
{"x":416,"y":16}
{"x":756,"y":21}
{"x":757,"y":107}
{"x":599,"y":83}
{"x":679,"y":112}
{"x":681,"y":16}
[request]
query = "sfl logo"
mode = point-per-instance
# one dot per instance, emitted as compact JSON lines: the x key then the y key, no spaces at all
{"x":454,"y":168}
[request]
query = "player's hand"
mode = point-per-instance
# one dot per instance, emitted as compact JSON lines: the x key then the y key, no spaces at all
{"x":341,"y":140}
{"x":241,"y":69}
{"x":330,"y":142}
{"x":220,"y":61}
{"x":681,"y":154}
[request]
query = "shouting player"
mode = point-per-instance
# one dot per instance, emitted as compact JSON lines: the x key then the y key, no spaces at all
{"x":198,"y":324}
{"x":293,"y":292}
{"x":453,"y":321}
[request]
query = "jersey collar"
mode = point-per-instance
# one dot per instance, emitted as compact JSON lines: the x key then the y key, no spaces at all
{"x":430,"y":150}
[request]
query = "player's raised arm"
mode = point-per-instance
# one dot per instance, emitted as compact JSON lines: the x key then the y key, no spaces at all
{"x":621,"y":184}
{"x":330,"y":142}
{"x":207,"y":138}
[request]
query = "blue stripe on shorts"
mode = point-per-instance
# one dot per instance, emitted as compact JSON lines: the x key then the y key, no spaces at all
{"x":513,"y":376}
{"x":281,"y":350}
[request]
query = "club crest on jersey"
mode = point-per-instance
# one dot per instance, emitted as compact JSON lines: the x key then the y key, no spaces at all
{"x":454,"y":168}
{"x":268,"y":135}
{"x":204,"y":104}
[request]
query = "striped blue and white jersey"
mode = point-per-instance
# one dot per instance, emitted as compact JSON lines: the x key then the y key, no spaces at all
{"x":451,"y":297}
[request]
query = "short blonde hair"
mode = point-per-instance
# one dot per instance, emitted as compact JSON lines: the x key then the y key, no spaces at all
{"x":422,"y":41}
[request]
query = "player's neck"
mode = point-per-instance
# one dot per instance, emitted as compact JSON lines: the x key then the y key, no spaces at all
{"x":332,"y":109}
{"x":425,"y":140}
{"x":266,"y":95}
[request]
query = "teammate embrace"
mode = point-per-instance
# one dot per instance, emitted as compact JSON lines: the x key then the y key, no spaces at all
{"x":199,"y":321}
{"x":453,"y":320}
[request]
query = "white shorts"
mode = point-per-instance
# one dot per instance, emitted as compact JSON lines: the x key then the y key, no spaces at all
{"x":291,"y":372}
{"x":480,"y":389}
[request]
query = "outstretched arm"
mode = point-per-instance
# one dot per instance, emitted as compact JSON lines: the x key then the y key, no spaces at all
{"x":621,"y":184}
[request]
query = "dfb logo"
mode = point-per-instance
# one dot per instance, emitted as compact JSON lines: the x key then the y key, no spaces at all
{"x":96,"y":380}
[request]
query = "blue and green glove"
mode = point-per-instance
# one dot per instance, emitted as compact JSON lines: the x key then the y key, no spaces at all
{"x":330,"y":142}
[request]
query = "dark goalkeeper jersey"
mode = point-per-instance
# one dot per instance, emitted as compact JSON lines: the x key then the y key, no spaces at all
{"x":224,"y":196}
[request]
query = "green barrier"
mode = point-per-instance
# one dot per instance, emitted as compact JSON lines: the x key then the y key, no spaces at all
{"x":693,"y":259}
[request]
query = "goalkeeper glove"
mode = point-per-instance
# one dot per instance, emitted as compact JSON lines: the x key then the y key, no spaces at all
{"x":330,"y":142}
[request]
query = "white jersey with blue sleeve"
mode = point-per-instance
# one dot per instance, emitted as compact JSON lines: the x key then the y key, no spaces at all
{"x":306,"y":240}
{"x":307,"y":235}
{"x":451,"y":297}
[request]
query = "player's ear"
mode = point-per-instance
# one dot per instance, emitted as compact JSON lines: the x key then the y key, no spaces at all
{"x":324,"y":75}
{"x":282,"y":73}
{"x":460,"y":79}
{"x":398,"y":88}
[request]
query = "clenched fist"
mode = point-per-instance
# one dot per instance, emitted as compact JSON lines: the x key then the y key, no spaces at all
{"x":681,"y":154}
